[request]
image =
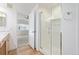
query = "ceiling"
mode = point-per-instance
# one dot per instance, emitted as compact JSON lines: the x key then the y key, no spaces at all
{"x":48,"y":5}
{"x":24,"y":8}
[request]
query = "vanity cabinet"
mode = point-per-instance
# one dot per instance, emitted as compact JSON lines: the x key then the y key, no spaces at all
{"x":3,"y":49}
{"x":4,"y":45}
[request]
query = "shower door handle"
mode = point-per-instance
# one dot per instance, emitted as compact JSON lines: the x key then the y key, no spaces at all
{"x":60,"y":43}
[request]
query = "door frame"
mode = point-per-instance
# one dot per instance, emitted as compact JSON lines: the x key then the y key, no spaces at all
{"x":33,"y":42}
{"x":34,"y":29}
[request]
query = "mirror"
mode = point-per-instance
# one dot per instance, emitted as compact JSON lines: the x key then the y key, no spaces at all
{"x":2,"y":19}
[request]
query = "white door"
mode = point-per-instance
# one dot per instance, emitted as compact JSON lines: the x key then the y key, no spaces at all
{"x":32,"y":29}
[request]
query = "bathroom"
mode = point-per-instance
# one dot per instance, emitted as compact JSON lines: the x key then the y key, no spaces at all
{"x":39,"y":29}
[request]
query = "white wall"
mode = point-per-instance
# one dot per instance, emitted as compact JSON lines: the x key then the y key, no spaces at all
{"x":78,"y":26}
{"x":69,"y":29}
{"x":11,"y":24}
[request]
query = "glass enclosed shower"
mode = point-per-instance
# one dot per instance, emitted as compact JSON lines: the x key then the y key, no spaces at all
{"x":50,"y":42}
{"x":50,"y":32}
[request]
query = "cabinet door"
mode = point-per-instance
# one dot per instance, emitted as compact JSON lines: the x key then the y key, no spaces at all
{"x":3,"y":49}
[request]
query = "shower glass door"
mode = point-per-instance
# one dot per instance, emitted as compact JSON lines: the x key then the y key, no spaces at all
{"x":45,"y":39}
{"x":56,"y":41}
{"x":50,"y":41}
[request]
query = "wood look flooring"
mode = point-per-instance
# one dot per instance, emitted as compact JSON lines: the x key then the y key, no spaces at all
{"x":12,"y":52}
{"x":24,"y":50}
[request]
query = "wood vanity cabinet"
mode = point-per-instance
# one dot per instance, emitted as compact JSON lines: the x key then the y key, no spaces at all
{"x":5,"y":46}
{"x":3,"y":49}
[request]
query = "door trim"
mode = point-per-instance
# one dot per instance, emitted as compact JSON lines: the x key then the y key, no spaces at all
{"x":35,"y":30}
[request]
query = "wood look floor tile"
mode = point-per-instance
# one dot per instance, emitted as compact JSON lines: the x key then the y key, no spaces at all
{"x":25,"y":50}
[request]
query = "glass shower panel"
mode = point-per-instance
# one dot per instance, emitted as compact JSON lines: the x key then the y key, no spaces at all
{"x":56,"y":37}
{"x":44,"y":36}
{"x":50,"y":42}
